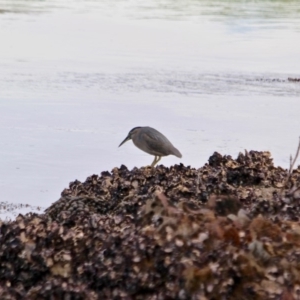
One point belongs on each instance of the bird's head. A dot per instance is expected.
(131, 133)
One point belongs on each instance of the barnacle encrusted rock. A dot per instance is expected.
(229, 230)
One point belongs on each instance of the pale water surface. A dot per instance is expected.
(76, 76)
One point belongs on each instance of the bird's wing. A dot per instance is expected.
(157, 144)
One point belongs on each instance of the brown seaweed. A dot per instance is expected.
(229, 230)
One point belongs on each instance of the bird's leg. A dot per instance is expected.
(158, 159)
(154, 162)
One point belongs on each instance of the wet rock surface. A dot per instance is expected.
(294, 79)
(229, 230)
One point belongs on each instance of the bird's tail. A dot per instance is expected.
(177, 153)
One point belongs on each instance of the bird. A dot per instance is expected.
(152, 142)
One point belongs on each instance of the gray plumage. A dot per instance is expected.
(151, 141)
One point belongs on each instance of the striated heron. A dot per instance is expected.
(151, 141)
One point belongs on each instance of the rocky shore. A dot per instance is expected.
(229, 230)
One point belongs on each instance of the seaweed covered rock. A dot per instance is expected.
(252, 178)
(229, 230)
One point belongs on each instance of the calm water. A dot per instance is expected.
(76, 76)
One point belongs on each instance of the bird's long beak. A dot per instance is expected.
(127, 139)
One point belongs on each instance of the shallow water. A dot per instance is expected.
(76, 76)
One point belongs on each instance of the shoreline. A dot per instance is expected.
(229, 229)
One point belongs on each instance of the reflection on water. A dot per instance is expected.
(164, 9)
(76, 75)
(162, 82)
(166, 46)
